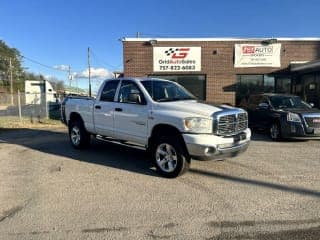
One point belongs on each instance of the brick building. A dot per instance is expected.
(228, 70)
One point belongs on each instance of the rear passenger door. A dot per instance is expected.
(103, 110)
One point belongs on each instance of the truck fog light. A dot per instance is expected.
(209, 150)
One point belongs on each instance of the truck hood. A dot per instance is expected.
(192, 107)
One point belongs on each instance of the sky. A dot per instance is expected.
(53, 35)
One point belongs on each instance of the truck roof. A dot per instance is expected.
(139, 79)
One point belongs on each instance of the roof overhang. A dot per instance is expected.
(309, 66)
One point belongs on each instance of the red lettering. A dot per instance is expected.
(248, 49)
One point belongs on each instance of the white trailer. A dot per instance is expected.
(39, 92)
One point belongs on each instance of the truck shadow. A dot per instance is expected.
(100, 152)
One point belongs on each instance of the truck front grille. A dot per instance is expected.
(231, 124)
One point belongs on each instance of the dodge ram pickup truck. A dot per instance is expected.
(161, 117)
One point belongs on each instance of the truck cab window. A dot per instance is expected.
(109, 90)
(130, 93)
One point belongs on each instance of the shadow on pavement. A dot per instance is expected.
(276, 186)
(100, 152)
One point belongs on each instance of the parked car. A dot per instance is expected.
(161, 117)
(283, 116)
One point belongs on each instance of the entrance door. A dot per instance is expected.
(312, 89)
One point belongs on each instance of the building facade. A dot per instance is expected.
(228, 70)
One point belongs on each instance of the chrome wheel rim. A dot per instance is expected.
(274, 131)
(75, 135)
(166, 157)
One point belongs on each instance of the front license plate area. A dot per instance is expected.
(239, 137)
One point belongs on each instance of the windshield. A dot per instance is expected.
(165, 91)
(288, 102)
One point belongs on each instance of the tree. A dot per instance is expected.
(19, 76)
(8, 54)
(57, 84)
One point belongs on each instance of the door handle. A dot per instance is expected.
(97, 107)
(118, 109)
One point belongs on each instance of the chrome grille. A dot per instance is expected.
(313, 122)
(231, 124)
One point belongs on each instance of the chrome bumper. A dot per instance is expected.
(211, 153)
(204, 147)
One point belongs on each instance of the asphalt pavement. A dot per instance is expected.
(48, 190)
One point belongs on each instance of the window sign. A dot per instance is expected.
(257, 55)
(176, 59)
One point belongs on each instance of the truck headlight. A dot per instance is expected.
(198, 125)
(293, 117)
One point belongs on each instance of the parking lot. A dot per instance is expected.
(48, 190)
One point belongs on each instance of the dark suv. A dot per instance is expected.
(283, 116)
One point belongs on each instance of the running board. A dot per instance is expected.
(120, 142)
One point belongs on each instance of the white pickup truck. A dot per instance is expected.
(160, 116)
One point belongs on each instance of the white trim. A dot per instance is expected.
(215, 39)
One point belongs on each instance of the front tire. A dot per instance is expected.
(169, 157)
(78, 135)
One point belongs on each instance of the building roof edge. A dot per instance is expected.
(217, 39)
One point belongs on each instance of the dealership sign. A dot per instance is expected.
(176, 59)
(257, 55)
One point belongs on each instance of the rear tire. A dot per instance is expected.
(78, 135)
(169, 157)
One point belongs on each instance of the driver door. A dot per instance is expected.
(131, 114)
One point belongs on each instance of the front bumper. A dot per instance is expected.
(299, 131)
(212, 147)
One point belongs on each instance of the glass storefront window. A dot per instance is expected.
(283, 85)
(252, 84)
(196, 84)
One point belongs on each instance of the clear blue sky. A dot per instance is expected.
(59, 32)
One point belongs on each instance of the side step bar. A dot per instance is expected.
(121, 142)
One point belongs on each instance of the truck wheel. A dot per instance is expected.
(78, 135)
(275, 131)
(169, 157)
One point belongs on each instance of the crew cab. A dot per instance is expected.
(161, 117)
(283, 116)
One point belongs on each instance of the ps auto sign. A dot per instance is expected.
(176, 59)
(257, 55)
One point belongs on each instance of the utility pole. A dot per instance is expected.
(69, 75)
(89, 72)
(11, 81)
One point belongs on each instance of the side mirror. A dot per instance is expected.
(311, 104)
(263, 106)
(135, 98)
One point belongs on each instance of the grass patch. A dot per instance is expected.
(15, 122)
